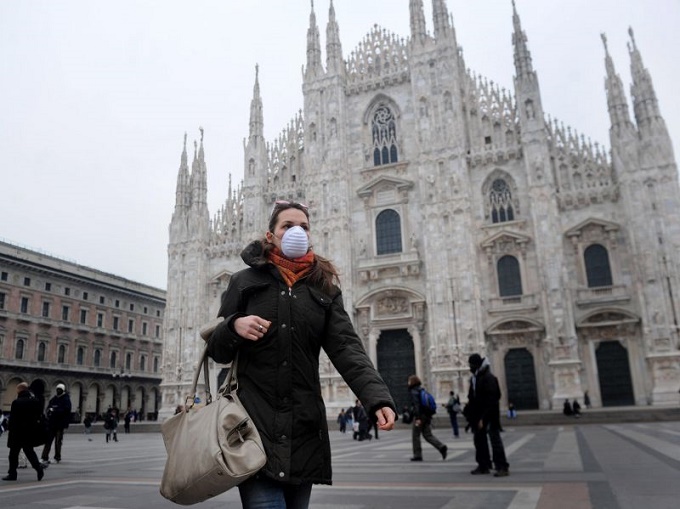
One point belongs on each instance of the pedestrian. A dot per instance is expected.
(87, 425)
(485, 418)
(342, 421)
(279, 313)
(111, 425)
(126, 421)
(422, 422)
(566, 408)
(349, 418)
(453, 408)
(58, 419)
(3, 422)
(586, 399)
(24, 429)
(512, 413)
(576, 408)
(361, 422)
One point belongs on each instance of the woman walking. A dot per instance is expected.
(278, 315)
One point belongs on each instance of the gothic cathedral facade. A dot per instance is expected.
(462, 220)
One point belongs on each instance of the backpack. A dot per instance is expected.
(427, 402)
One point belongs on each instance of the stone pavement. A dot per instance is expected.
(601, 466)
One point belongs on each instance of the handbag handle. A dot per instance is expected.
(231, 379)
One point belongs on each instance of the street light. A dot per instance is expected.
(118, 378)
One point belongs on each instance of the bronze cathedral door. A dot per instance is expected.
(396, 361)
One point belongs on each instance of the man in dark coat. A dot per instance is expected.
(483, 413)
(23, 430)
(422, 422)
(58, 418)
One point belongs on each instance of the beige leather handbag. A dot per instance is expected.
(210, 449)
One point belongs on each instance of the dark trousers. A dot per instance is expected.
(31, 456)
(56, 436)
(454, 423)
(492, 433)
(425, 429)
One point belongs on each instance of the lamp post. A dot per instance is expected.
(118, 377)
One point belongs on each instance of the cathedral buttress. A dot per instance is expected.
(418, 27)
(314, 67)
(334, 61)
(254, 165)
(178, 224)
(544, 215)
(656, 146)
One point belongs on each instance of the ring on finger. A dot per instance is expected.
(261, 328)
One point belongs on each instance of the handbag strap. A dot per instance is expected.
(230, 383)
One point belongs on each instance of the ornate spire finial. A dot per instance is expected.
(201, 129)
(632, 36)
(185, 140)
(604, 41)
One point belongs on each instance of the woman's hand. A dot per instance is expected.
(251, 327)
(386, 418)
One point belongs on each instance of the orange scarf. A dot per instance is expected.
(291, 270)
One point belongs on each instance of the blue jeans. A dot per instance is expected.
(262, 493)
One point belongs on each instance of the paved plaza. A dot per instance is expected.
(606, 466)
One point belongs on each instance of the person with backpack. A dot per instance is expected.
(453, 408)
(423, 407)
(483, 414)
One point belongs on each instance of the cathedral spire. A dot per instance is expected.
(334, 62)
(616, 99)
(645, 103)
(314, 67)
(440, 18)
(256, 116)
(418, 28)
(523, 66)
(199, 175)
(181, 193)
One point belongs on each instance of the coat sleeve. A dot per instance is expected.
(346, 352)
(224, 341)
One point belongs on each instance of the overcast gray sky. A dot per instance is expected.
(95, 97)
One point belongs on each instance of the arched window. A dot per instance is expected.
(142, 363)
(42, 348)
(155, 364)
(598, 270)
(500, 201)
(80, 356)
(97, 358)
(128, 361)
(61, 354)
(384, 133)
(388, 232)
(19, 352)
(112, 360)
(509, 278)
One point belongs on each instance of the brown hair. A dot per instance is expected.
(414, 380)
(323, 275)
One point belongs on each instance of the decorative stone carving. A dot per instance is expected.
(392, 306)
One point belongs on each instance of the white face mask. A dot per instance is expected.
(294, 242)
